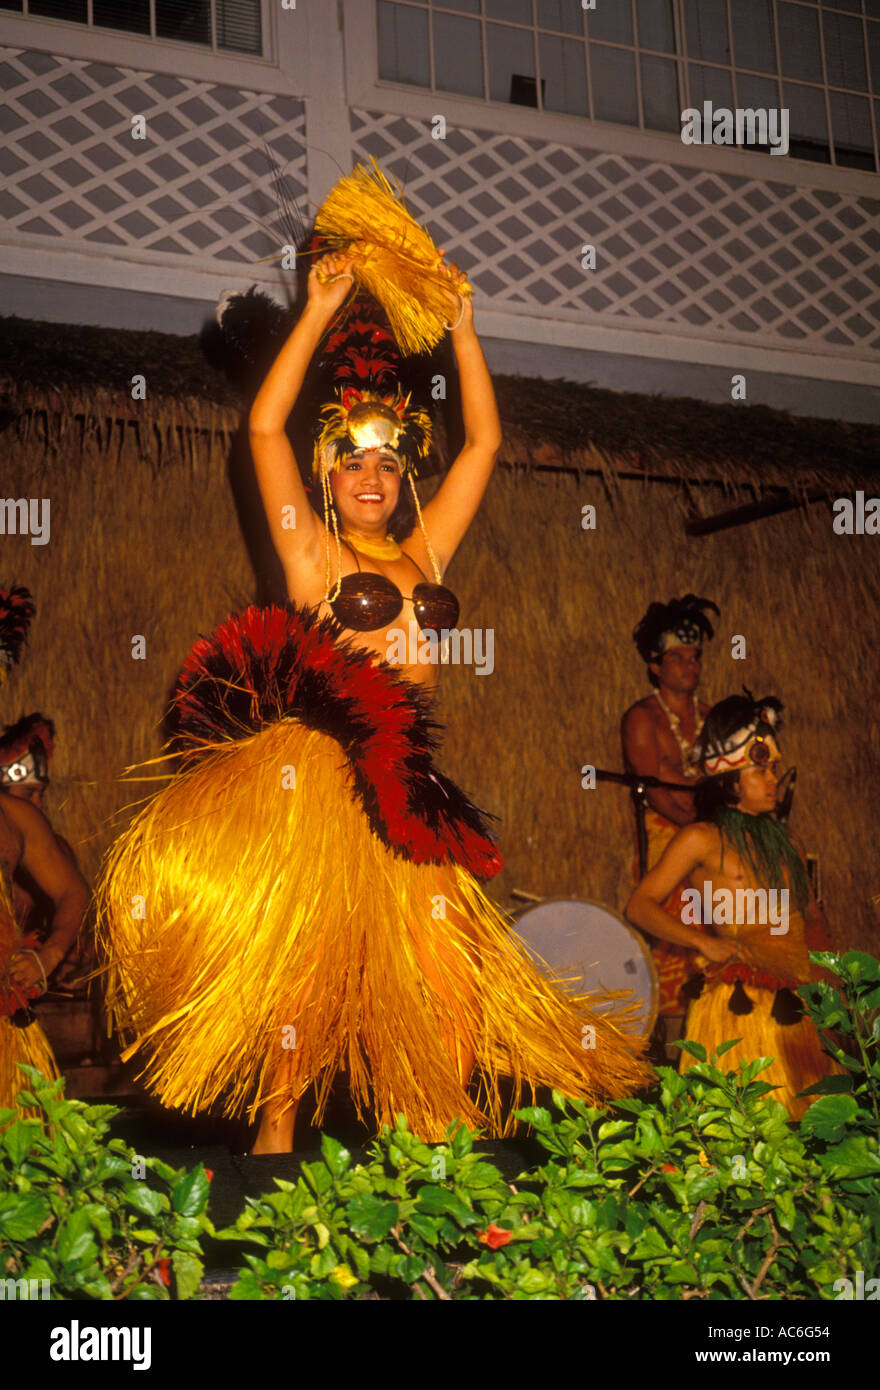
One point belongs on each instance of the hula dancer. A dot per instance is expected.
(313, 897)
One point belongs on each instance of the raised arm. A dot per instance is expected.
(454, 506)
(278, 475)
(683, 853)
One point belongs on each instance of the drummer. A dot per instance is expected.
(658, 734)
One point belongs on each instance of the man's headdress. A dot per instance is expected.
(17, 608)
(25, 750)
(681, 622)
(750, 743)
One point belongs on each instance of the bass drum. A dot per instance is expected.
(586, 948)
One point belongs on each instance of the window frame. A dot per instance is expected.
(71, 38)
(682, 60)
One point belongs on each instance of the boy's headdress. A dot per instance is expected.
(751, 744)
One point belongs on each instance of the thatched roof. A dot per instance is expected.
(85, 372)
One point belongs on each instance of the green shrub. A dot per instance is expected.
(73, 1213)
(702, 1189)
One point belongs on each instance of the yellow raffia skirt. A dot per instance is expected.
(31, 1046)
(799, 1057)
(261, 937)
(28, 1045)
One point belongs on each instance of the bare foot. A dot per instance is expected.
(275, 1135)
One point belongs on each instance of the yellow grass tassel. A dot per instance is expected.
(29, 1045)
(262, 938)
(398, 263)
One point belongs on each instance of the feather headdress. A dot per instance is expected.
(17, 608)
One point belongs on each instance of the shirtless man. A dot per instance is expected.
(658, 735)
(28, 842)
(25, 750)
(745, 868)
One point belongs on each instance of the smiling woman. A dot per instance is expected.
(314, 904)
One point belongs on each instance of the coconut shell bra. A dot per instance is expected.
(368, 601)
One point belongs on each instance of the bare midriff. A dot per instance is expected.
(384, 640)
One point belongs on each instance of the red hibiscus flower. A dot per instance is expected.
(165, 1272)
(669, 1167)
(209, 1173)
(494, 1236)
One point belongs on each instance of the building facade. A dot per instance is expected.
(149, 144)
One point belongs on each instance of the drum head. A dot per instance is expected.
(588, 948)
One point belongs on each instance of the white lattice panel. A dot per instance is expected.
(200, 184)
(715, 255)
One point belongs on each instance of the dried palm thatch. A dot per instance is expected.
(147, 539)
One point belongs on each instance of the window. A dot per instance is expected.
(225, 25)
(642, 62)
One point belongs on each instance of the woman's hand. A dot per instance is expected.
(330, 281)
(461, 306)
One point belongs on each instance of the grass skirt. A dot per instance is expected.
(770, 962)
(262, 936)
(29, 1045)
(800, 1059)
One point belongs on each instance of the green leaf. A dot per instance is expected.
(21, 1217)
(318, 1177)
(189, 1196)
(785, 1210)
(425, 1227)
(534, 1281)
(859, 966)
(100, 1219)
(79, 1130)
(462, 1142)
(694, 1049)
(143, 1198)
(651, 1245)
(828, 1117)
(336, 1156)
(188, 1271)
(536, 1116)
(75, 1241)
(853, 1158)
(247, 1288)
(832, 1085)
(724, 1047)
(20, 1137)
(439, 1201)
(110, 1166)
(369, 1217)
(613, 1127)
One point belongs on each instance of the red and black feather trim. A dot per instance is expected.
(267, 664)
(17, 609)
